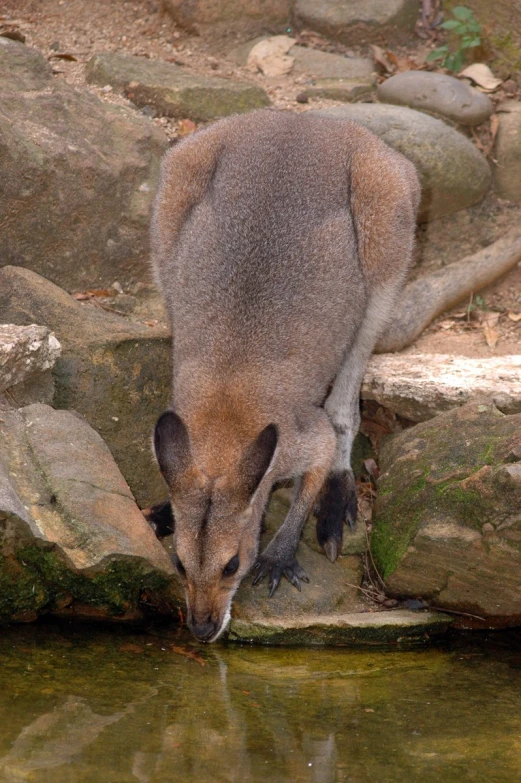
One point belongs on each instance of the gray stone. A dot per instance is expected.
(77, 177)
(447, 521)
(70, 531)
(437, 93)
(190, 14)
(332, 75)
(115, 372)
(171, 91)
(351, 20)
(507, 152)
(453, 173)
(420, 386)
(356, 628)
(24, 351)
(345, 90)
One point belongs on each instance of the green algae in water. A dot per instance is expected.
(99, 706)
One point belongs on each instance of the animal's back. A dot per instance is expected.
(257, 248)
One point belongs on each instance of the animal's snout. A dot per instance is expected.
(204, 631)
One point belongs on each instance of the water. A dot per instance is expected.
(83, 705)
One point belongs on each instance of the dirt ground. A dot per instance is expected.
(69, 32)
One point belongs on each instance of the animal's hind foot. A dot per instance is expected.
(337, 505)
(275, 568)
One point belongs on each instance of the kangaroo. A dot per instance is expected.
(280, 242)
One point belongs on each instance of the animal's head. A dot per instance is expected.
(217, 519)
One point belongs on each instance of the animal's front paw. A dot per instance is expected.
(274, 567)
(337, 505)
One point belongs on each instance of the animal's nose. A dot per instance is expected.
(203, 631)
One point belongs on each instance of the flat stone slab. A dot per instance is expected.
(351, 20)
(437, 93)
(171, 91)
(115, 372)
(78, 176)
(70, 530)
(357, 628)
(24, 351)
(420, 386)
(453, 173)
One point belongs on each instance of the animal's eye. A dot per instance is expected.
(231, 567)
(180, 567)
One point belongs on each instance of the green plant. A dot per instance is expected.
(468, 31)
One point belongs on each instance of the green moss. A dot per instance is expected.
(36, 578)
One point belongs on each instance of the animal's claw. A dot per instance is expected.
(290, 568)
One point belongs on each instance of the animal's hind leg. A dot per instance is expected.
(337, 503)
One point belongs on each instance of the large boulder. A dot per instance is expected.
(352, 20)
(115, 372)
(171, 91)
(437, 93)
(507, 152)
(447, 522)
(77, 177)
(72, 539)
(453, 173)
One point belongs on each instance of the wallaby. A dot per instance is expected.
(280, 242)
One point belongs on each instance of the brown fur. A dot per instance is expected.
(280, 243)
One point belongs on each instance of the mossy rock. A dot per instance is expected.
(447, 523)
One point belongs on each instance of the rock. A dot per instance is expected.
(333, 75)
(171, 91)
(70, 530)
(438, 94)
(328, 610)
(453, 173)
(447, 522)
(507, 152)
(340, 89)
(77, 177)
(420, 386)
(25, 351)
(353, 21)
(115, 372)
(190, 14)
(356, 628)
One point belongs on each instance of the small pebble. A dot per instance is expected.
(302, 97)
(107, 88)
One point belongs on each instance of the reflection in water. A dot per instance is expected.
(90, 707)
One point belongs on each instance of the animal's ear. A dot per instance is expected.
(257, 459)
(171, 446)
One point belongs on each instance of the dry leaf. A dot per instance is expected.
(191, 654)
(514, 317)
(186, 127)
(446, 324)
(481, 75)
(372, 469)
(80, 297)
(381, 57)
(270, 56)
(491, 334)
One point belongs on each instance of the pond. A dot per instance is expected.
(98, 705)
